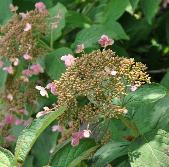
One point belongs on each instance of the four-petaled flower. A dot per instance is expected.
(26, 56)
(52, 88)
(40, 6)
(68, 59)
(28, 27)
(105, 41)
(133, 88)
(79, 135)
(9, 69)
(42, 90)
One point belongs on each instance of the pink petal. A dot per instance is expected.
(36, 69)
(9, 119)
(57, 128)
(69, 60)
(26, 56)
(28, 27)
(40, 6)
(9, 70)
(105, 41)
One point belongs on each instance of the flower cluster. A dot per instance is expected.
(92, 81)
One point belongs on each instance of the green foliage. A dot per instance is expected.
(150, 150)
(54, 65)
(5, 12)
(31, 133)
(7, 159)
(68, 156)
(150, 8)
(109, 152)
(90, 36)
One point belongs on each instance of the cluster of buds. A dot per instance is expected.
(21, 37)
(92, 81)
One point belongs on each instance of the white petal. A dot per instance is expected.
(39, 87)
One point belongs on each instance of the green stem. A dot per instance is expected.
(51, 38)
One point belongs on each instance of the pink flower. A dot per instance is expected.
(52, 88)
(79, 48)
(79, 135)
(57, 128)
(133, 88)
(27, 27)
(19, 122)
(76, 138)
(9, 119)
(9, 97)
(1, 63)
(36, 69)
(68, 59)
(40, 6)
(9, 70)
(22, 112)
(105, 41)
(26, 56)
(27, 72)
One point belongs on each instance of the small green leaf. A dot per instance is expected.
(110, 152)
(30, 134)
(7, 159)
(54, 65)
(150, 149)
(67, 155)
(90, 36)
(150, 8)
(134, 3)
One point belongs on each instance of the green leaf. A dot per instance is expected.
(110, 152)
(54, 65)
(150, 8)
(134, 3)
(7, 159)
(148, 93)
(5, 12)
(67, 155)
(44, 143)
(90, 36)
(114, 9)
(165, 80)
(76, 20)
(82, 156)
(150, 150)
(30, 134)
(60, 10)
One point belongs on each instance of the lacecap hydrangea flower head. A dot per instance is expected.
(92, 81)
